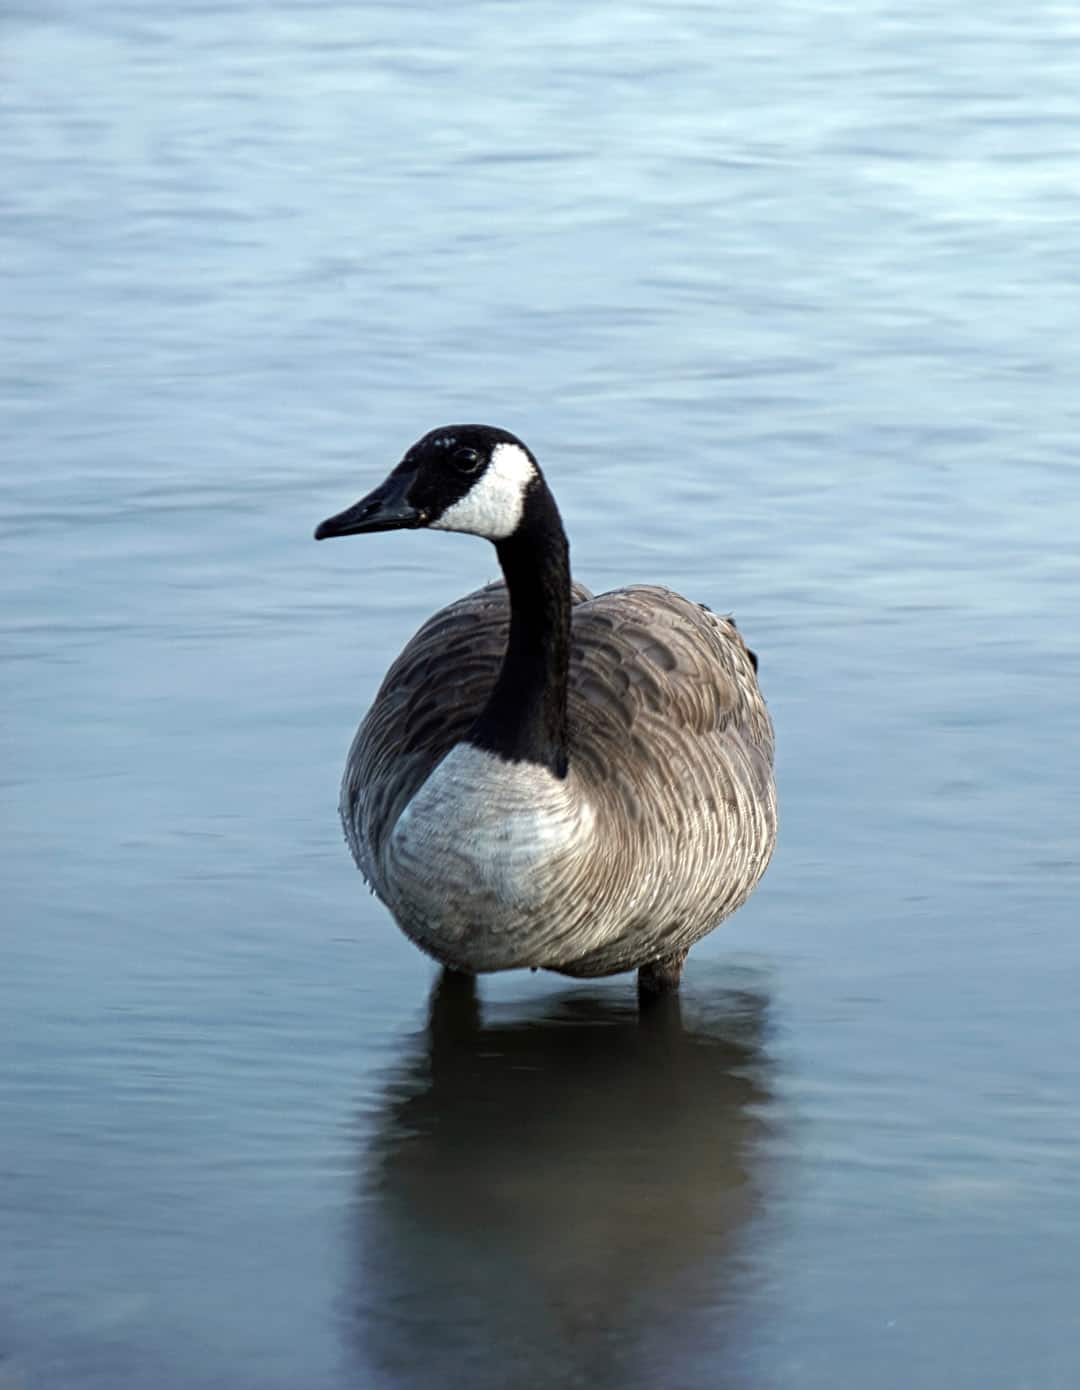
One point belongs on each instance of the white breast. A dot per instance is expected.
(479, 856)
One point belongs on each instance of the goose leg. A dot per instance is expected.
(460, 983)
(660, 976)
(453, 1007)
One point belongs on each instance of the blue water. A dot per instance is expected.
(786, 304)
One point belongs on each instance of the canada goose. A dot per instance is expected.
(545, 778)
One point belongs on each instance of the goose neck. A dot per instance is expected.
(524, 719)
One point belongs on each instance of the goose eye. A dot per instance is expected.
(465, 460)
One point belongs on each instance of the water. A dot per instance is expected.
(786, 303)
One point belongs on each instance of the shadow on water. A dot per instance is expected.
(561, 1197)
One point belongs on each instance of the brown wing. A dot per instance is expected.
(671, 739)
(645, 660)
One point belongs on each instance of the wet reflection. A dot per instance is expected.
(559, 1197)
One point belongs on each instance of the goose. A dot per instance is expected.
(549, 779)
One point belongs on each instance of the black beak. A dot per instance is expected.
(385, 509)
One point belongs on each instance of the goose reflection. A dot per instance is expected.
(559, 1197)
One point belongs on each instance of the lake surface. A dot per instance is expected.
(786, 302)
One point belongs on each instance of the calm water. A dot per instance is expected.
(787, 304)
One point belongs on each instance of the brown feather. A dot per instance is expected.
(669, 741)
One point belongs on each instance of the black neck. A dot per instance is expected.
(524, 719)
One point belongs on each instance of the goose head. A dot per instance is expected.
(470, 478)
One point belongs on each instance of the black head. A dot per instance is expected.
(471, 478)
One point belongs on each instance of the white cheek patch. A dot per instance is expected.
(492, 507)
